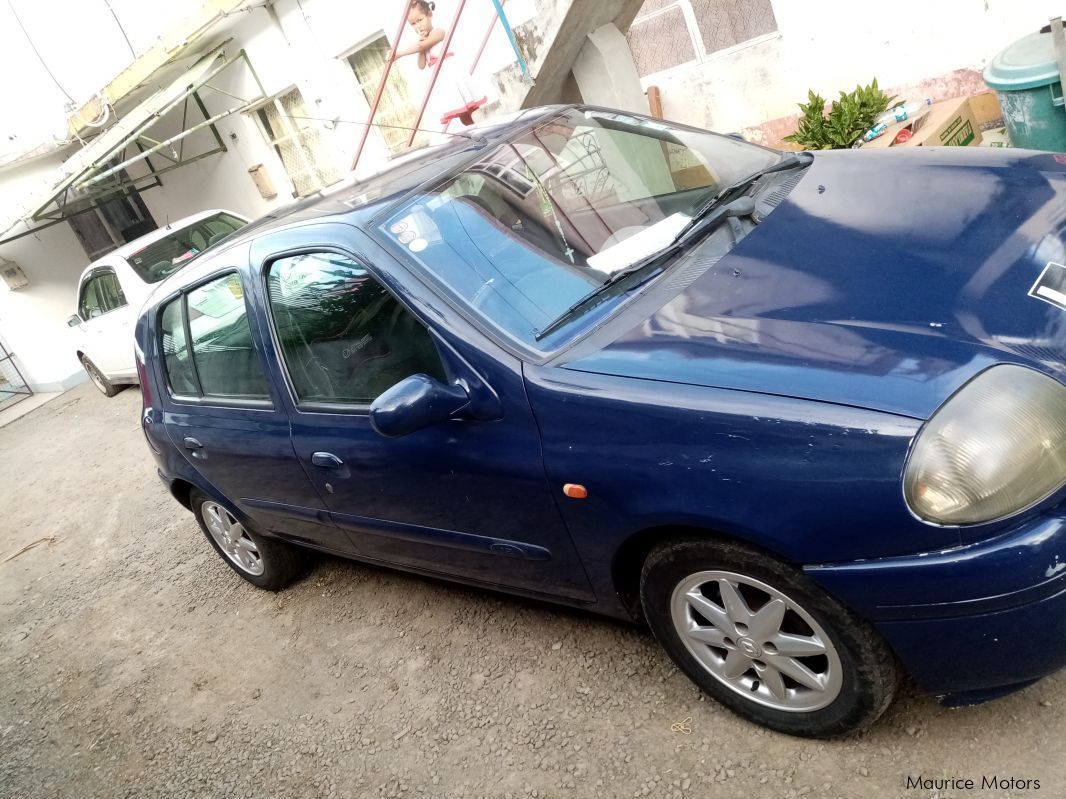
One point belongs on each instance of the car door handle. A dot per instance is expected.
(327, 460)
(192, 443)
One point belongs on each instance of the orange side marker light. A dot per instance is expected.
(575, 491)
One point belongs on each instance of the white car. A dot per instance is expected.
(113, 287)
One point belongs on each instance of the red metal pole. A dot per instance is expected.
(481, 51)
(436, 72)
(381, 89)
(485, 41)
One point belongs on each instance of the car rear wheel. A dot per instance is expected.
(264, 562)
(763, 640)
(107, 388)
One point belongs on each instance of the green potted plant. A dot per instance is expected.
(848, 118)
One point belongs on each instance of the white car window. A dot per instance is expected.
(100, 294)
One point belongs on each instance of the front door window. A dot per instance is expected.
(344, 338)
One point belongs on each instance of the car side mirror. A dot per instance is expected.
(74, 321)
(416, 402)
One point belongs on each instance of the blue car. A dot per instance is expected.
(801, 414)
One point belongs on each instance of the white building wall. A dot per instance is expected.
(831, 45)
(305, 45)
(33, 318)
(302, 44)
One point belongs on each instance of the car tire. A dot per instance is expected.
(264, 562)
(107, 388)
(758, 636)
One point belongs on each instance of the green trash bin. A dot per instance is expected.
(1026, 78)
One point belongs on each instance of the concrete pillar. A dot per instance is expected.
(606, 74)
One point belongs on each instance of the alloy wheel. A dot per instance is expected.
(756, 641)
(232, 538)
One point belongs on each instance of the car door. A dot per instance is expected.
(467, 497)
(222, 413)
(107, 323)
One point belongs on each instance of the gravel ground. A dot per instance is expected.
(133, 662)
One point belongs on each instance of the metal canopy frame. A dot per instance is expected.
(101, 178)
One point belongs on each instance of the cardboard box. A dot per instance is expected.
(949, 123)
(997, 137)
(986, 110)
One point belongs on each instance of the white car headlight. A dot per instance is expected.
(998, 446)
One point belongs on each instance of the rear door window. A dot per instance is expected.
(343, 336)
(222, 361)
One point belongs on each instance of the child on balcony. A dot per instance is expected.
(453, 96)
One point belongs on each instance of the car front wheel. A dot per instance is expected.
(264, 562)
(763, 640)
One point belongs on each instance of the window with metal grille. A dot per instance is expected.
(298, 142)
(397, 106)
(668, 33)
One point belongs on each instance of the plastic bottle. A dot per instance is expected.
(909, 111)
(875, 131)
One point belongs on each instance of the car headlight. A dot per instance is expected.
(998, 446)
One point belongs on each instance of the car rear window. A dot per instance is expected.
(164, 257)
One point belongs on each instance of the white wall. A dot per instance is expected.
(88, 49)
(301, 44)
(33, 318)
(831, 45)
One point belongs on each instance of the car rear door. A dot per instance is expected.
(466, 497)
(223, 413)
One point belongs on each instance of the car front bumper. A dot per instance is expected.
(969, 623)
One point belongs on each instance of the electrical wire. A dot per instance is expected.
(469, 136)
(36, 52)
(121, 29)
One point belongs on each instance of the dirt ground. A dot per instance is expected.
(133, 662)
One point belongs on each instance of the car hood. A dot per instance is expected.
(885, 280)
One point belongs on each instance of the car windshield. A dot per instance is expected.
(167, 255)
(548, 217)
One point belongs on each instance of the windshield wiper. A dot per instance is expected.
(650, 266)
(790, 161)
